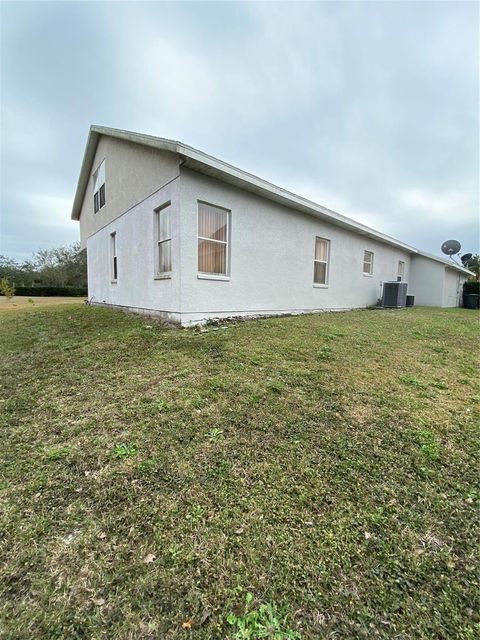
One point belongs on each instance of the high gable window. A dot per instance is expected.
(99, 187)
(163, 228)
(213, 232)
(368, 263)
(320, 264)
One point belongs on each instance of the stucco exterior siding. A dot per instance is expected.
(132, 173)
(272, 258)
(434, 284)
(271, 245)
(136, 286)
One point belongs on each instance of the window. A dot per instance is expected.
(401, 269)
(113, 248)
(163, 234)
(213, 231)
(320, 264)
(368, 263)
(99, 187)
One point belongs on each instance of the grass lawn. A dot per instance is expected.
(316, 475)
(26, 302)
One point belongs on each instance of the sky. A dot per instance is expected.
(370, 109)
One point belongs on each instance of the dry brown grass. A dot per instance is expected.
(21, 303)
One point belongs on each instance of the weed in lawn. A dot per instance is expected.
(58, 454)
(439, 384)
(175, 551)
(197, 513)
(145, 466)
(268, 621)
(125, 450)
(219, 470)
(199, 402)
(214, 434)
(413, 382)
(276, 386)
(325, 354)
(428, 443)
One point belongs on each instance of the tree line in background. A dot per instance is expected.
(59, 271)
(63, 272)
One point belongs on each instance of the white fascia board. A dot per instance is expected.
(243, 179)
(446, 263)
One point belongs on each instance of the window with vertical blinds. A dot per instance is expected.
(213, 233)
(163, 240)
(320, 265)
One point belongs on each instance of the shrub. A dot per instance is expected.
(45, 290)
(6, 289)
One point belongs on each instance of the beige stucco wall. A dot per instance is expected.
(133, 172)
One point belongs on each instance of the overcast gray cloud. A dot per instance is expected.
(368, 108)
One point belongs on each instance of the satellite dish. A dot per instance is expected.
(466, 259)
(451, 247)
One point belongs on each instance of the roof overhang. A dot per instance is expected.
(208, 165)
(450, 264)
(215, 168)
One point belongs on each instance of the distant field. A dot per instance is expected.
(304, 477)
(25, 302)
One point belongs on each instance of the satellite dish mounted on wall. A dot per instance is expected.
(451, 247)
(466, 259)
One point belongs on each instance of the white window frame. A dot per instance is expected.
(370, 261)
(401, 269)
(205, 275)
(97, 191)
(321, 285)
(113, 257)
(161, 275)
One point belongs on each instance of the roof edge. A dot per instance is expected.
(268, 189)
(446, 263)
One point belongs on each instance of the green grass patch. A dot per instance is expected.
(151, 478)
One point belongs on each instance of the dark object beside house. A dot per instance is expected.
(471, 301)
(410, 301)
(394, 295)
(471, 295)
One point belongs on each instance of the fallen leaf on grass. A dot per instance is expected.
(187, 624)
(99, 602)
(150, 557)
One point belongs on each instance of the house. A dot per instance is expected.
(174, 232)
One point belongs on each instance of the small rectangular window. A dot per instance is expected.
(213, 233)
(368, 263)
(401, 269)
(99, 187)
(320, 265)
(163, 240)
(113, 246)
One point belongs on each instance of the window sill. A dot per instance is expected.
(207, 276)
(320, 286)
(368, 275)
(113, 281)
(163, 276)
